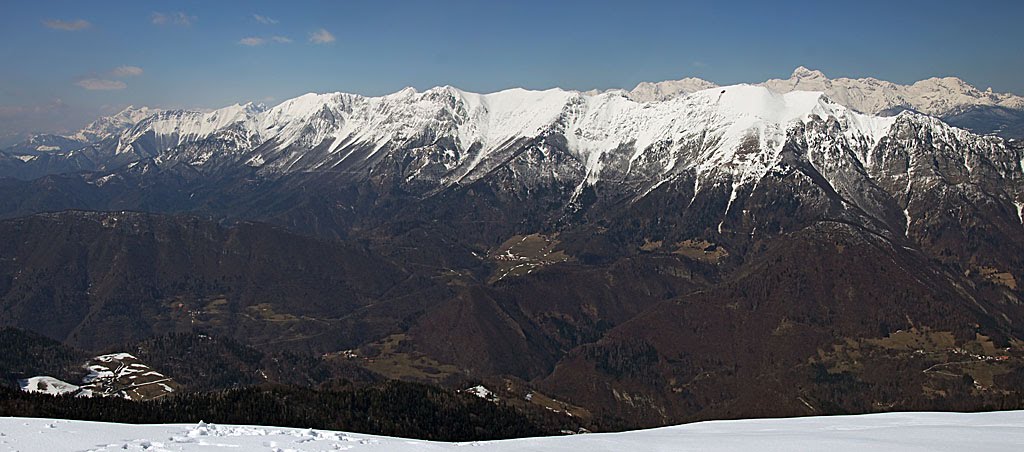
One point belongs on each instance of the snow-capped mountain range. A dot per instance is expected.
(935, 96)
(638, 140)
(657, 133)
(453, 136)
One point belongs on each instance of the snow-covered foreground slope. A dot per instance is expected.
(996, 431)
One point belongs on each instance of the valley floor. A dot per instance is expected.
(993, 431)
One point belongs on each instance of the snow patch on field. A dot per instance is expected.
(482, 392)
(47, 385)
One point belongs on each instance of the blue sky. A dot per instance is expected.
(64, 62)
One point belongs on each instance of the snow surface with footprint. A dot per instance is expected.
(994, 431)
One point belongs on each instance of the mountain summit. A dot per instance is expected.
(803, 73)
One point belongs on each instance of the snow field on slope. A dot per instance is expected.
(594, 125)
(905, 432)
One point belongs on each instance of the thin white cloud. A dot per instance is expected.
(126, 71)
(97, 84)
(321, 36)
(252, 41)
(67, 25)
(699, 64)
(264, 20)
(175, 18)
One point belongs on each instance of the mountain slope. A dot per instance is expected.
(130, 276)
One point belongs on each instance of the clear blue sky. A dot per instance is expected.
(191, 53)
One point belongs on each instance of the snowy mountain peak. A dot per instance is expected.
(253, 107)
(405, 92)
(199, 123)
(803, 72)
(107, 126)
(652, 92)
(168, 129)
